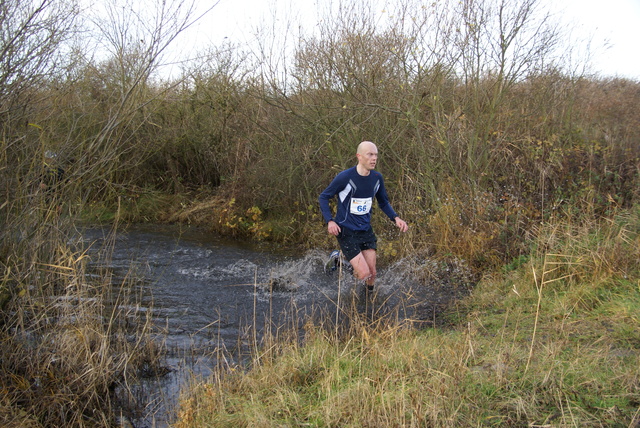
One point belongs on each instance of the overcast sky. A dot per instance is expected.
(613, 26)
(611, 23)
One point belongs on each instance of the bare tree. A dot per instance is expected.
(35, 36)
(131, 39)
(32, 37)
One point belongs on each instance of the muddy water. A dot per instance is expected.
(209, 294)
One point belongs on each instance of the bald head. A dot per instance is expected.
(367, 155)
(366, 146)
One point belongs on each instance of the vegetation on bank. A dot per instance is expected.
(554, 342)
(489, 140)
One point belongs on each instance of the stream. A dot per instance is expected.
(211, 296)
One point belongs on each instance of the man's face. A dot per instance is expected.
(368, 156)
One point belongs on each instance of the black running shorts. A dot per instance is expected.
(353, 242)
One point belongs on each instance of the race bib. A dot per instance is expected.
(361, 206)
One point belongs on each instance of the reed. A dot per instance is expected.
(72, 338)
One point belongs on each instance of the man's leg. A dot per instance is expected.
(364, 267)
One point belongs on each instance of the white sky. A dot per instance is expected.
(615, 29)
(613, 26)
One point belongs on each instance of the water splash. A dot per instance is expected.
(295, 275)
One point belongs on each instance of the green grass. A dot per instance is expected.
(553, 342)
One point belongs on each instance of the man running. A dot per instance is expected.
(356, 187)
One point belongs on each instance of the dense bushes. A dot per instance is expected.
(482, 132)
(479, 144)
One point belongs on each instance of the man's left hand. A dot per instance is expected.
(402, 225)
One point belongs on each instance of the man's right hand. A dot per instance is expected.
(333, 228)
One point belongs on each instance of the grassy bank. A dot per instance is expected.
(553, 342)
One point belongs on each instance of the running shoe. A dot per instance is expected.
(332, 264)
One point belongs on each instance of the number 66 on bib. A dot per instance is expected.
(360, 206)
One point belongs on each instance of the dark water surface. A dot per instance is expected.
(207, 294)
